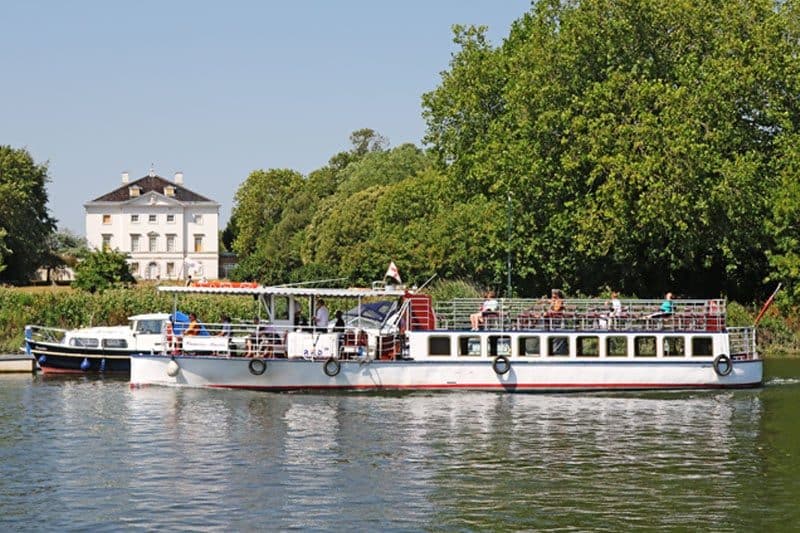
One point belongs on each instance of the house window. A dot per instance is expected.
(134, 268)
(106, 242)
(170, 219)
(134, 219)
(170, 269)
(171, 243)
(134, 242)
(133, 192)
(151, 219)
(106, 219)
(153, 244)
(198, 219)
(198, 243)
(169, 190)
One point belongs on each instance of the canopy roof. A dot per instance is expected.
(352, 292)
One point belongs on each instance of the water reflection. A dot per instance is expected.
(103, 454)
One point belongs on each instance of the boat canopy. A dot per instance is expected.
(352, 292)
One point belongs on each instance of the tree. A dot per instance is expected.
(23, 214)
(101, 270)
(638, 140)
(64, 249)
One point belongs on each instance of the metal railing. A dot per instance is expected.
(584, 315)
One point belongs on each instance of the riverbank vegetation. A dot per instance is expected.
(65, 307)
(645, 147)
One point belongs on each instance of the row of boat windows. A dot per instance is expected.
(585, 346)
(90, 342)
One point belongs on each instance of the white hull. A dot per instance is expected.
(553, 374)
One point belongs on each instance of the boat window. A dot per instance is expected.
(469, 345)
(529, 346)
(674, 347)
(149, 327)
(644, 346)
(702, 346)
(616, 347)
(84, 342)
(439, 345)
(558, 345)
(281, 307)
(499, 345)
(115, 343)
(588, 347)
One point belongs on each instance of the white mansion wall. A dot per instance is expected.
(185, 222)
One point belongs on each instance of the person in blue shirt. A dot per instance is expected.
(666, 308)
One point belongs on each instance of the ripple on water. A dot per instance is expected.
(94, 454)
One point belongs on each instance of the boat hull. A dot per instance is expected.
(523, 376)
(60, 359)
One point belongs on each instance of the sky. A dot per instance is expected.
(217, 89)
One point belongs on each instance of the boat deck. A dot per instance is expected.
(521, 314)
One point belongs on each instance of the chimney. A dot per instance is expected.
(179, 178)
(124, 177)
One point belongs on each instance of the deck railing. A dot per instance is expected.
(584, 315)
(742, 343)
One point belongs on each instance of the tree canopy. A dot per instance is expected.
(25, 224)
(644, 146)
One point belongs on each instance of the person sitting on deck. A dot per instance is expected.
(193, 328)
(556, 304)
(666, 308)
(488, 307)
(256, 338)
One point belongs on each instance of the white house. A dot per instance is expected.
(169, 231)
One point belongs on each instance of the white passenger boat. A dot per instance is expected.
(416, 345)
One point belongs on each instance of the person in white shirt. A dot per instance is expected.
(488, 307)
(321, 317)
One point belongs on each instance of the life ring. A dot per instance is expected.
(332, 367)
(723, 365)
(501, 365)
(257, 367)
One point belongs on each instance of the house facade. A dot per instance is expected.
(169, 231)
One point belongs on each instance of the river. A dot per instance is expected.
(82, 453)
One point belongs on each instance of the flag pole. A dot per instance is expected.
(766, 305)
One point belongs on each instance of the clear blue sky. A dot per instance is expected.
(217, 89)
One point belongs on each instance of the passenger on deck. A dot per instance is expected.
(225, 330)
(488, 307)
(338, 326)
(257, 337)
(666, 308)
(321, 317)
(556, 304)
(193, 328)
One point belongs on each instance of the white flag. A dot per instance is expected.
(392, 272)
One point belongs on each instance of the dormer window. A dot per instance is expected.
(134, 191)
(169, 190)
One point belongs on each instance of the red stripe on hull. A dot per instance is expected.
(500, 387)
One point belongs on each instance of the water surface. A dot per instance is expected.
(88, 453)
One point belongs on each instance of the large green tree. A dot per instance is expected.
(636, 138)
(25, 224)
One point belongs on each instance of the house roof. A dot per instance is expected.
(148, 184)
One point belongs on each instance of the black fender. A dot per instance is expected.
(723, 365)
(332, 367)
(257, 366)
(501, 365)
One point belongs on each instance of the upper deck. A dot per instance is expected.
(592, 314)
